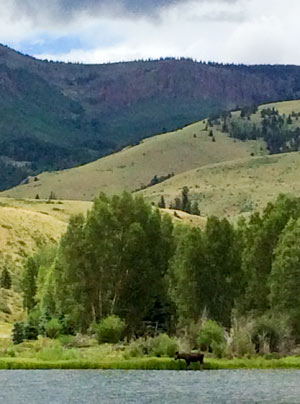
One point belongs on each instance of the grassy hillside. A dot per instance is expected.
(24, 227)
(59, 115)
(232, 188)
(135, 167)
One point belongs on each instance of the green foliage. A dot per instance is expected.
(285, 275)
(212, 338)
(205, 272)
(53, 328)
(57, 353)
(123, 261)
(30, 331)
(29, 283)
(159, 346)
(37, 279)
(110, 330)
(261, 237)
(239, 340)
(162, 345)
(5, 281)
(113, 263)
(18, 333)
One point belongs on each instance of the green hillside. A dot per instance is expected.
(135, 167)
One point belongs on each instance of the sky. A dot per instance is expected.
(100, 31)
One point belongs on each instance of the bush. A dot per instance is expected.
(212, 338)
(18, 333)
(271, 334)
(239, 338)
(163, 345)
(57, 353)
(30, 331)
(159, 346)
(134, 350)
(53, 328)
(110, 330)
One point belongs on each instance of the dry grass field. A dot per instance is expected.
(231, 188)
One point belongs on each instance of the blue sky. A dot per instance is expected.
(96, 31)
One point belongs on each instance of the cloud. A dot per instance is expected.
(93, 31)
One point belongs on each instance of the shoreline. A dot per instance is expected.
(151, 364)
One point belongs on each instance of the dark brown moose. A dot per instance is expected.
(190, 357)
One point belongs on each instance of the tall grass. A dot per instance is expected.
(152, 364)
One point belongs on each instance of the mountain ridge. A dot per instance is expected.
(57, 115)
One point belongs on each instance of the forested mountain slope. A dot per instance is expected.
(57, 115)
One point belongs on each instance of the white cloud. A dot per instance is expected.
(241, 31)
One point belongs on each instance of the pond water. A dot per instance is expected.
(159, 387)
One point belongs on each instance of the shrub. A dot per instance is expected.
(239, 341)
(57, 353)
(271, 334)
(110, 330)
(30, 331)
(159, 346)
(18, 333)
(163, 345)
(134, 350)
(212, 337)
(53, 328)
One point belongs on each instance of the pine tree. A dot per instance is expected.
(185, 203)
(162, 203)
(29, 283)
(177, 204)
(18, 333)
(52, 196)
(5, 281)
(195, 209)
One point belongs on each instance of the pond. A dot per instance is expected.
(138, 387)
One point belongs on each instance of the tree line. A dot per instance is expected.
(126, 259)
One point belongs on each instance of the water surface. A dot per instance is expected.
(139, 387)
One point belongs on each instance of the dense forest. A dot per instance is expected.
(59, 115)
(126, 264)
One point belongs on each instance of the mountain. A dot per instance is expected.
(59, 115)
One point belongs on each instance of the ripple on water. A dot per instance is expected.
(159, 387)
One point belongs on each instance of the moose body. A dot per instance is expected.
(190, 357)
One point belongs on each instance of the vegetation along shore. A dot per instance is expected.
(125, 287)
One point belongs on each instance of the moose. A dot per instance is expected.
(190, 357)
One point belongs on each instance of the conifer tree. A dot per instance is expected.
(18, 333)
(29, 283)
(5, 281)
(185, 202)
(195, 209)
(162, 203)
